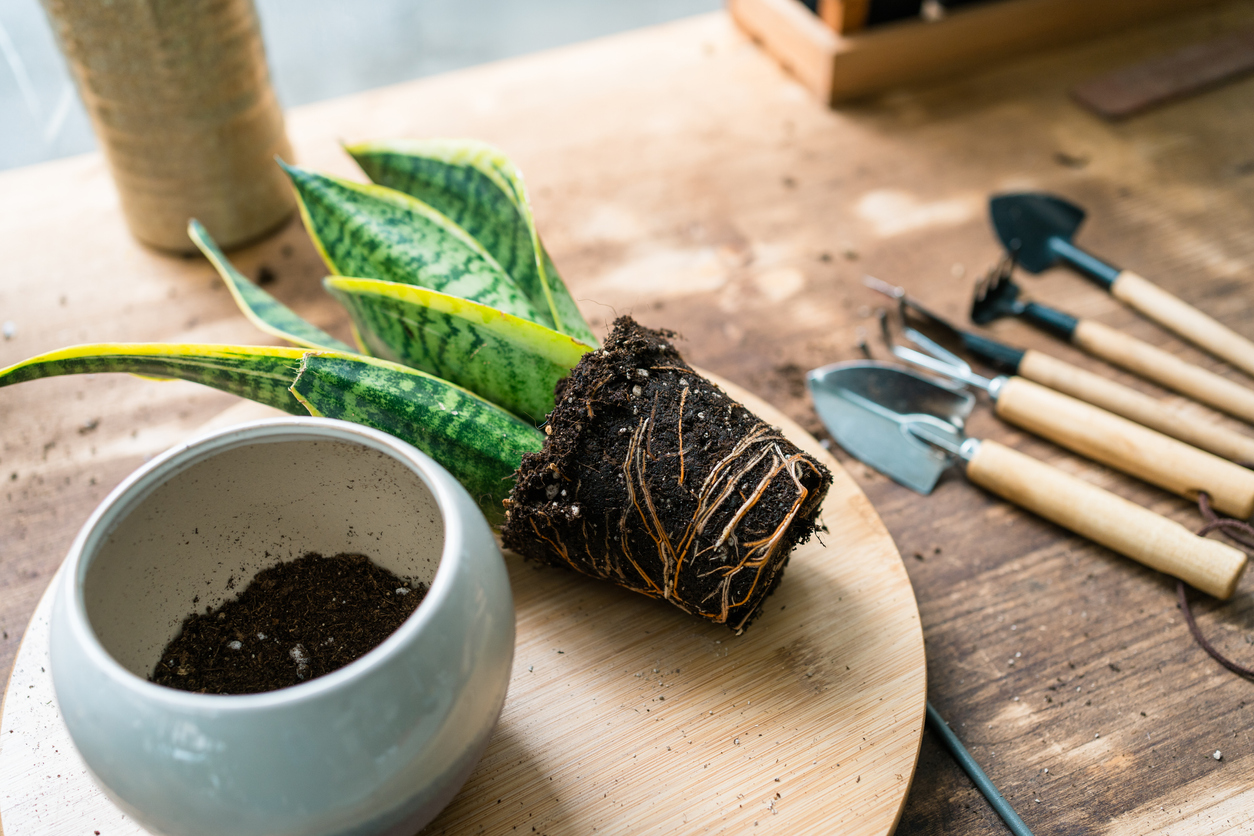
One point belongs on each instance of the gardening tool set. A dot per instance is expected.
(998, 295)
(911, 427)
(1038, 228)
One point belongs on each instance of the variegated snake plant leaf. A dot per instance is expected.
(459, 348)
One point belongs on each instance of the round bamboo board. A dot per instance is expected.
(626, 716)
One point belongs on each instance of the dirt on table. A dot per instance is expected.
(654, 479)
(295, 621)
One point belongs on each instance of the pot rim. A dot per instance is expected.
(133, 490)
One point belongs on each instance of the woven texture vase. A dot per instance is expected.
(180, 99)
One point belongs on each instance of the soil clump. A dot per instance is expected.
(654, 479)
(295, 621)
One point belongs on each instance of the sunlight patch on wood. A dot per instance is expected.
(892, 212)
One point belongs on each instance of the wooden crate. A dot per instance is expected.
(840, 67)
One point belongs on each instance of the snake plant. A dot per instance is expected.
(463, 325)
(645, 474)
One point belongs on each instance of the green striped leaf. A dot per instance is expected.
(479, 443)
(259, 373)
(480, 190)
(378, 233)
(509, 361)
(266, 312)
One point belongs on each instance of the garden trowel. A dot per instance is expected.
(1091, 431)
(910, 428)
(1038, 228)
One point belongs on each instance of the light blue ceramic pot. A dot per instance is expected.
(379, 746)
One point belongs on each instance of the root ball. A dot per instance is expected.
(653, 479)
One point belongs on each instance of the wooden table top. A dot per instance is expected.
(679, 175)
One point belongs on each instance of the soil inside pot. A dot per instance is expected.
(295, 621)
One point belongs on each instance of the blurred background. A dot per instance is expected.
(317, 49)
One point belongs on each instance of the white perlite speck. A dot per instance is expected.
(402, 591)
(301, 658)
(234, 645)
(1218, 755)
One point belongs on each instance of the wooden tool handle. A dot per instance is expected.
(1112, 521)
(1184, 319)
(1127, 446)
(1157, 365)
(1141, 408)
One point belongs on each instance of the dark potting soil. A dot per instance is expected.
(654, 479)
(295, 621)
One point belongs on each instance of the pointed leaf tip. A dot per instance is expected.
(482, 191)
(259, 373)
(374, 232)
(262, 309)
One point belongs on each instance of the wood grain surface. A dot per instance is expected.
(1129, 90)
(626, 716)
(680, 175)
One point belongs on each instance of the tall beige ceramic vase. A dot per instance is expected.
(180, 99)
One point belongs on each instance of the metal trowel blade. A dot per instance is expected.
(1026, 222)
(877, 411)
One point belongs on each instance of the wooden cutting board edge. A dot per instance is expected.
(899, 747)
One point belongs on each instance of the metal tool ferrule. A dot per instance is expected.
(1054, 321)
(1103, 273)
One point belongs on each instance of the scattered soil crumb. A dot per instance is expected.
(1068, 160)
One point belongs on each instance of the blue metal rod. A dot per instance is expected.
(969, 766)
